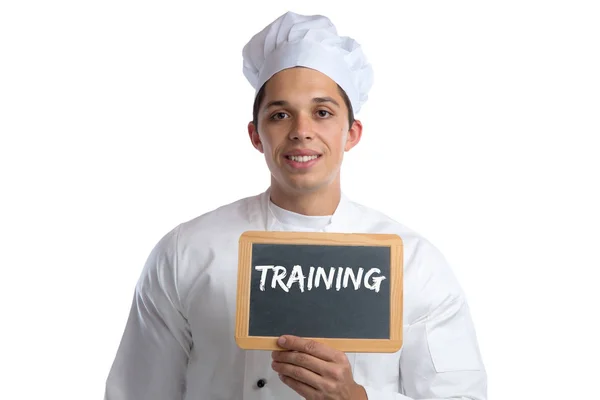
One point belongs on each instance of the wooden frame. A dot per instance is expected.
(394, 242)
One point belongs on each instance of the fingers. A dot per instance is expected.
(307, 365)
(316, 349)
(298, 374)
(303, 360)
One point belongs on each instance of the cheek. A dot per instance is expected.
(267, 144)
(272, 150)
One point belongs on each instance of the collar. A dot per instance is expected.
(341, 220)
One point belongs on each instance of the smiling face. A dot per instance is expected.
(303, 131)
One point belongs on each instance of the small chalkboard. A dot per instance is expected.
(341, 289)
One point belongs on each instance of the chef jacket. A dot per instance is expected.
(178, 341)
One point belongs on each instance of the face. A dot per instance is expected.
(303, 131)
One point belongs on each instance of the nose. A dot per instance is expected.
(301, 129)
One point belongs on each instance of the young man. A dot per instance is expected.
(179, 340)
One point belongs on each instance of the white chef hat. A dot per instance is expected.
(310, 41)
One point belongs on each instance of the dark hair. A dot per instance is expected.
(261, 95)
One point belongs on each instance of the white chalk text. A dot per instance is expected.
(342, 277)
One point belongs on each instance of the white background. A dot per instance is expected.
(121, 119)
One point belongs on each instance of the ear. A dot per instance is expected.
(255, 137)
(354, 135)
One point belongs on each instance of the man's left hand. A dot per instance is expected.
(315, 371)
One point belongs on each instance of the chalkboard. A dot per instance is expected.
(341, 289)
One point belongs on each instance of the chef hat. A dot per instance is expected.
(310, 41)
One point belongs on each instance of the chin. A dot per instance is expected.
(300, 182)
(305, 184)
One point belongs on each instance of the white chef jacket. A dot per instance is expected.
(179, 341)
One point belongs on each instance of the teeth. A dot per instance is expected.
(302, 158)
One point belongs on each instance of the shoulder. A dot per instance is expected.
(220, 221)
(377, 221)
(418, 249)
(428, 276)
(209, 230)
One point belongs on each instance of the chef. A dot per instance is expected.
(178, 341)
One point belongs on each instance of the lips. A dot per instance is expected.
(302, 159)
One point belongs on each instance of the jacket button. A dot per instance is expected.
(261, 383)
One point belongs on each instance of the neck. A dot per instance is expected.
(314, 203)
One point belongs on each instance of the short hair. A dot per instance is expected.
(261, 95)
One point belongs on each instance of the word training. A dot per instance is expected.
(342, 276)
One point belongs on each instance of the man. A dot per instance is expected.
(179, 339)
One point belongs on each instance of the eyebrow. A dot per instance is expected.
(318, 100)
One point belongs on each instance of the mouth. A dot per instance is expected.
(303, 159)
(302, 162)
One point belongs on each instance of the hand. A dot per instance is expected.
(315, 371)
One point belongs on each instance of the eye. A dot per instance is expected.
(278, 116)
(323, 113)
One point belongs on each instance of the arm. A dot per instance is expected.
(152, 357)
(440, 361)
(440, 356)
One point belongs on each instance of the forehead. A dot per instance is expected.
(301, 81)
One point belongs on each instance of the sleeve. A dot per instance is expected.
(440, 357)
(151, 360)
